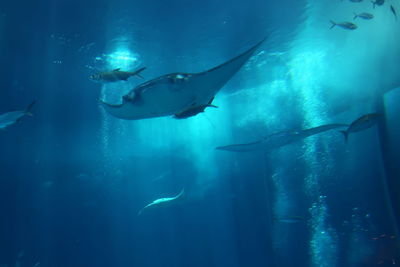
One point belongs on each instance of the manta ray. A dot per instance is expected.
(181, 95)
(280, 139)
(164, 202)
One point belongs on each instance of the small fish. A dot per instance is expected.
(10, 118)
(366, 16)
(344, 25)
(162, 176)
(194, 110)
(165, 201)
(116, 75)
(289, 219)
(362, 123)
(377, 3)
(393, 11)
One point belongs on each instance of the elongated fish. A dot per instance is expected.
(289, 219)
(280, 139)
(164, 202)
(116, 75)
(364, 122)
(366, 16)
(10, 118)
(393, 11)
(344, 25)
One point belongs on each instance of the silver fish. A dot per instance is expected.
(366, 16)
(116, 75)
(12, 117)
(344, 25)
(364, 122)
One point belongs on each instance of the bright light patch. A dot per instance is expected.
(122, 58)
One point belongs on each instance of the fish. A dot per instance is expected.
(12, 117)
(115, 75)
(162, 176)
(182, 95)
(344, 25)
(366, 16)
(363, 123)
(280, 139)
(393, 11)
(289, 219)
(193, 110)
(377, 3)
(163, 202)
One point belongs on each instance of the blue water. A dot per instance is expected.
(73, 178)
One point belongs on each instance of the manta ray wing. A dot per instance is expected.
(172, 93)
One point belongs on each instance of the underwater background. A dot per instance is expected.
(73, 178)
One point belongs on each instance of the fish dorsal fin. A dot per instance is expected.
(116, 69)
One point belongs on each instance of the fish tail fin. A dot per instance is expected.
(137, 73)
(355, 15)
(29, 108)
(333, 24)
(346, 135)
